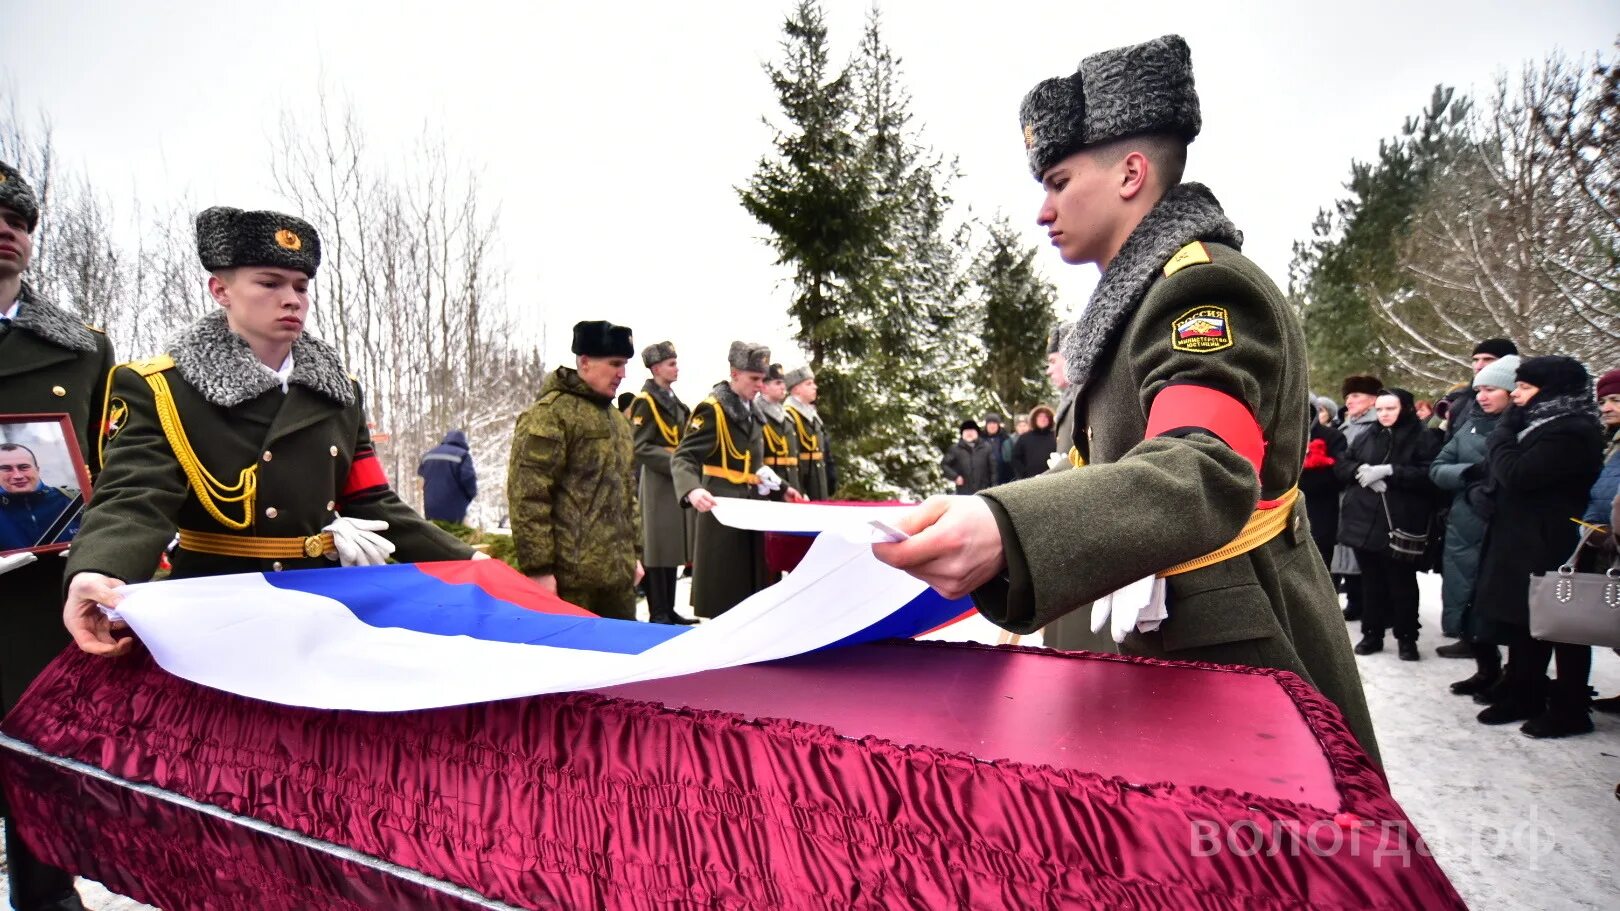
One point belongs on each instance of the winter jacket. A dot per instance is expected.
(973, 463)
(1000, 446)
(1410, 495)
(1320, 484)
(1461, 408)
(1033, 448)
(449, 482)
(1536, 485)
(1457, 470)
(41, 517)
(1607, 487)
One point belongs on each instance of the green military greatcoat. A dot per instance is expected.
(720, 452)
(811, 437)
(658, 419)
(50, 363)
(570, 490)
(242, 462)
(781, 444)
(1180, 306)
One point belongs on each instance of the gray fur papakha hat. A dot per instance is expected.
(749, 357)
(228, 238)
(600, 338)
(796, 376)
(1127, 91)
(657, 353)
(1054, 342)
(18, 196)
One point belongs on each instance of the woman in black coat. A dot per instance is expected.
(1034, 447)
(1387, 476)
(1320, 484)
(1543, 457)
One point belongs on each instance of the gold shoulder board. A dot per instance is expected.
(151, 365)
(1194, 254)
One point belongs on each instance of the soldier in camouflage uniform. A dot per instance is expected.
(815, 467)
(781, 441)
(259, 468)
(570, 484)
(1190, 436)
(50, 363)
(667, 530)
(722, 455)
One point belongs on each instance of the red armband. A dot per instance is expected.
(365, 474)
(1185, 407)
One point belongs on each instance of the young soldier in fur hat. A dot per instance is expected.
(781, 441)
(722, 455)
(658, 419)
(815, 462)
(1190, 370)
(248, 437)
(570, 485)
(50, 363)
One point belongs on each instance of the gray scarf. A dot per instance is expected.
(772, 410)
(1546, 409)
(1188, 212)
(804, 408)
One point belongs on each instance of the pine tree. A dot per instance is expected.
(1018, 313)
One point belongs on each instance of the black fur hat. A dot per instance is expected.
(774, 373)
(657, 353)
(228, 238)
(600, 338)
(1554, 375)
(970, 424)
(1362, 383)
(1126, 91)
(18, 196)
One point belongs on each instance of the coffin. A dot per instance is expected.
(895, 775)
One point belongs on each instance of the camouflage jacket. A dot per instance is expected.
(570, 487)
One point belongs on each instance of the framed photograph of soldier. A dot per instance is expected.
(44, 483)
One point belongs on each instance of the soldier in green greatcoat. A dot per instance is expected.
(50, 363)
(815, 467)
(570, 484)
(668, 532)
(1190, 433)
(722, 455)
(248, 438)
(780, 437)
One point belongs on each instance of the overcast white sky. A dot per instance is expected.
(612, 134)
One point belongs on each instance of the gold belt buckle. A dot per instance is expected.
(313, 546)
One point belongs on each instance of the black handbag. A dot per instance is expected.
(1403, 545)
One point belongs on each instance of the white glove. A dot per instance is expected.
(769, 481)
(356, 541)
(1367, 474)
(1140, 605)
(480, 555)
(15, 561)
(1056, 459)
(1378, 486)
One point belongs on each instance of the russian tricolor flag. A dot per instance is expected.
(414, 636)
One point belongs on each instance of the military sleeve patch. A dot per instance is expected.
(117, 413)
(1201, 330)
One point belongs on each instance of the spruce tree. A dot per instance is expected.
(1018, 313)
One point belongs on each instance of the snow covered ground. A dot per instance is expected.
(1516, 823)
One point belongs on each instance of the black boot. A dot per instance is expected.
(1352, 613)
(1610, 705)
(1516, 699)
(1462, 648)
(1407, 650)
(1369, 644)
(670, 618)
(1487, 671)
(1568, 713)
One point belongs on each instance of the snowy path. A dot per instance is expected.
(1516, 823)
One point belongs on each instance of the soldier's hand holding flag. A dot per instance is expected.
(357, 542)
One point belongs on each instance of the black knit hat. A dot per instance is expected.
(1554, 375)
(1126, 91)
(1496, 347)
(18, 196)
(1362, 383)
(970, 424)
(228, 238)
(600, 338)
